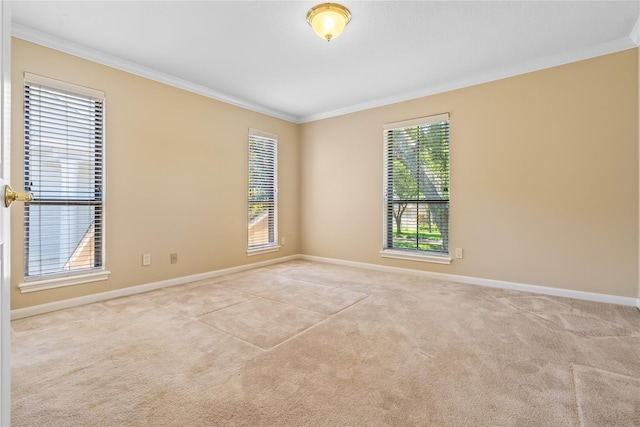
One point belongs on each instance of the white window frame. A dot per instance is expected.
(272, 245)
(398, 253)
(64, 277)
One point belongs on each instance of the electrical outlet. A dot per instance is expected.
(146, 259)
(174, 258)
(459, 253)
(283, 240)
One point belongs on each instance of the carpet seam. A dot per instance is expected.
(230, 335)
(222, 308)
(315, 311)
(578, 407)
(317, 324)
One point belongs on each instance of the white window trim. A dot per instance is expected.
(61, 85)
(97, 274)
(58, 282)
(415, 256)
(417, 122)
(263, 250)
(268, 247)
(410, 255)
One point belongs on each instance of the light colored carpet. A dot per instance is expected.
(312, 344)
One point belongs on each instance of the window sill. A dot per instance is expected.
(58, 282)
(263, 250)
(413, 256)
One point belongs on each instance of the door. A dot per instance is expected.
(5, 270)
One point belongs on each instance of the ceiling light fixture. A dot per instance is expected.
(328, 19)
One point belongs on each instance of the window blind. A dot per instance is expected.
(263, 190)
(64, 169)
(416, 191)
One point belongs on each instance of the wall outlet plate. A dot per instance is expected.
(146, 259)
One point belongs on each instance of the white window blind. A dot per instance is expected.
(64, 169)
(263, 190)
(416, 191)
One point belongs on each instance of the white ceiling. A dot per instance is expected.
(263, 55)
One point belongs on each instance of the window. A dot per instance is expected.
(416, 190)
(263, 192)
(64, 169)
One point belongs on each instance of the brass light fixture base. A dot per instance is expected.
(328, 20)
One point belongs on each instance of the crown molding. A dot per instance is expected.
(635, 33)
(34, 36)
(46, 40)
(493, 75)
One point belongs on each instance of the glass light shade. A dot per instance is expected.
(328, 20)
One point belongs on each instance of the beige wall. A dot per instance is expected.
(176, 176)
(544, 177)
(544, 186)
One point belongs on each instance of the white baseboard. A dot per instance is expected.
(545, 290)
(102, 296)
(88, 299)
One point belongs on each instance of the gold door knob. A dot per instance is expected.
(11, 196)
